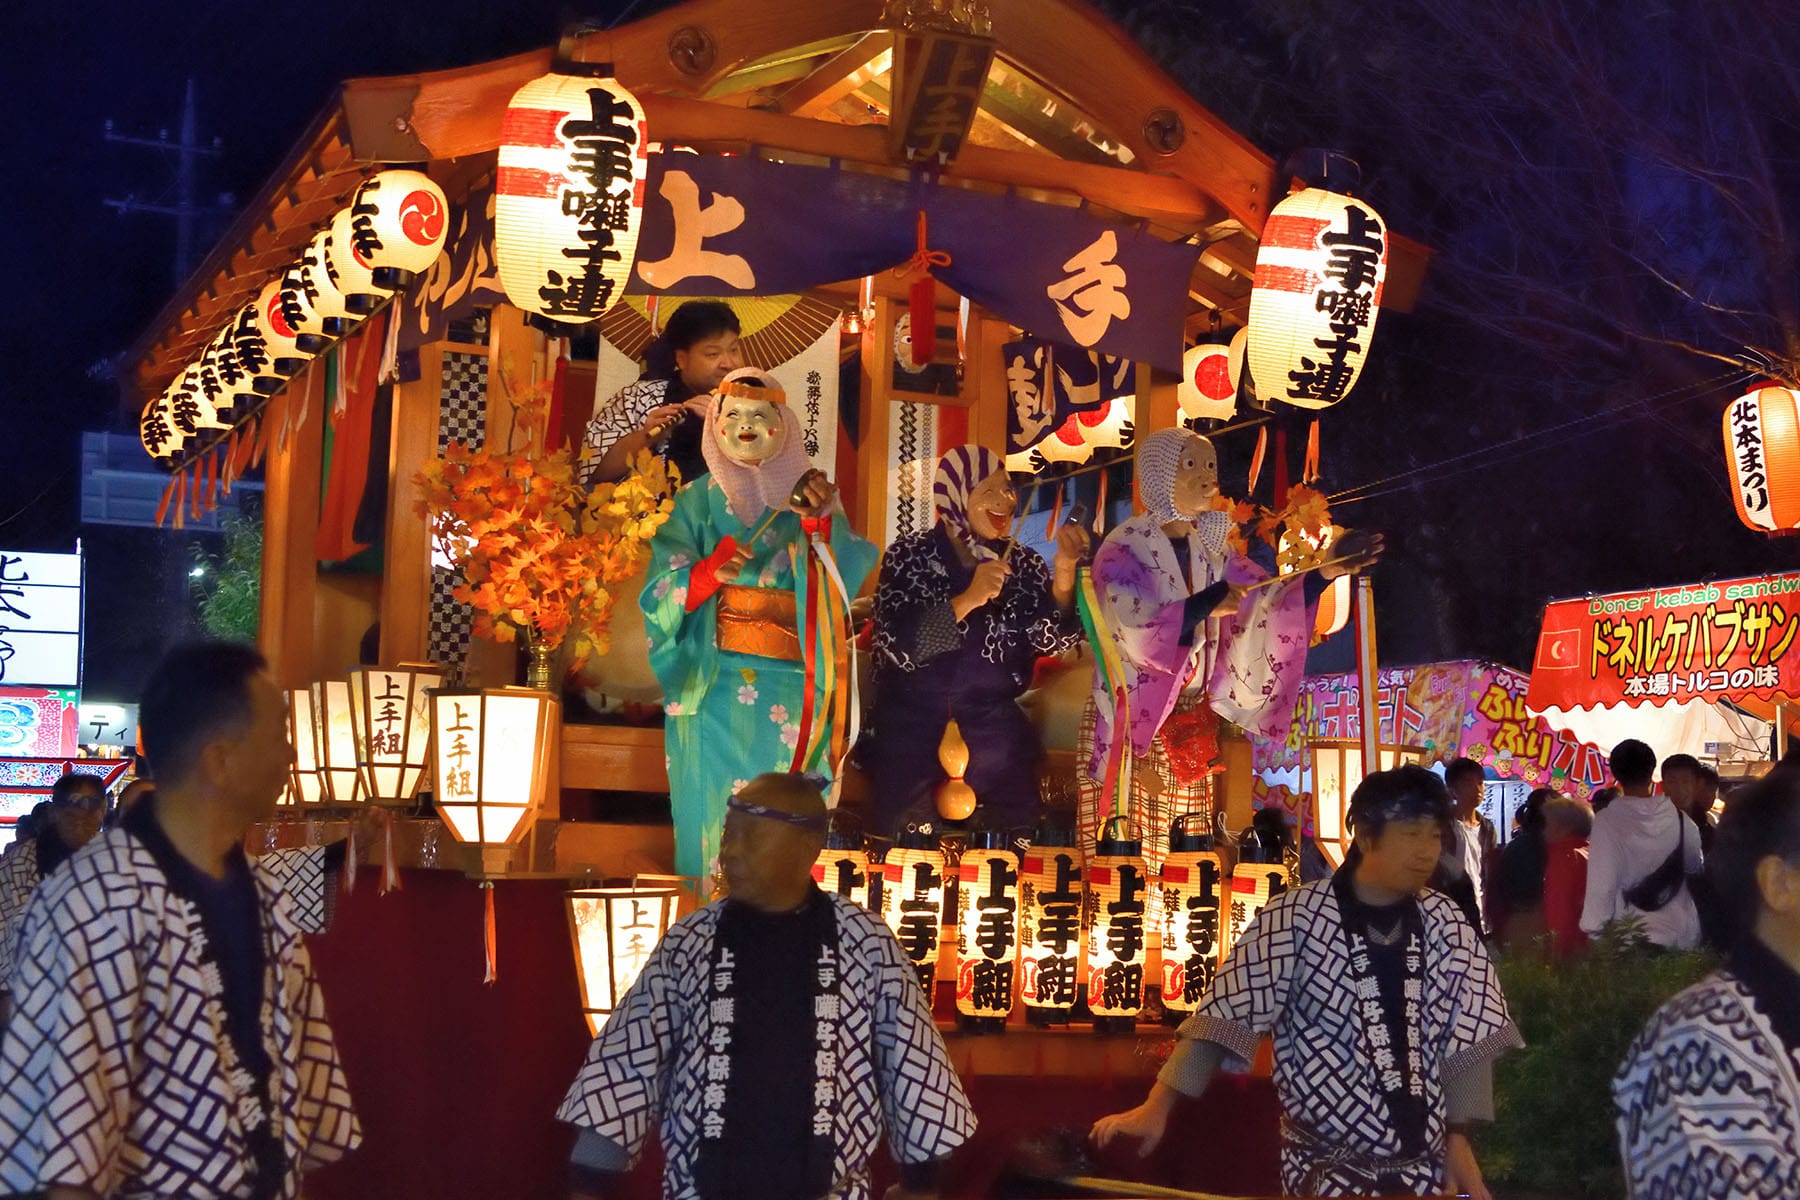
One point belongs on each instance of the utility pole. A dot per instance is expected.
(187, 152)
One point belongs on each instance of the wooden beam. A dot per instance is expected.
(837, 76)
(290, 519)
(984, 374)
(406, 549)
(869, 515)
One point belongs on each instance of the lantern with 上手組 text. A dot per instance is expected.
(987, 931)
(569, 191)
(1762, 452)
(614, 929)
(1253, 884)
(1050, 924)
(912, 898)
(1116, 913)
(306, 787)
(393, 728)
(1190, 886)
(334, 740)
(491, 750)
(1319, 272)
(843, 864)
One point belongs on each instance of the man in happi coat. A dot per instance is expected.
(772, 1039)
(1190, 634)
(1709, 1095)
(77, 806)
(746, 604)
(961, 617)
(1384, 1007)
(170, 1038)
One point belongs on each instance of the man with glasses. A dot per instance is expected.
(77, 806)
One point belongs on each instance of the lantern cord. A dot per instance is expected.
(1497, 453)
(349, 858)
(390, 868)
(490, 932)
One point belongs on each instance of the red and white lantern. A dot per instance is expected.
(286, 353)
(569, 192)
(1762, 452)
(348, 270)
(1210, 373)
(1319, 274)
(311, 302)
(398, 221)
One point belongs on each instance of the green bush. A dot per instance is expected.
(1553, 1133)
(228, 585)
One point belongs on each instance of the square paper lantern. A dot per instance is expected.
(1118, 928)
(1337, 769)
(305, 787)
(1319, 272)
(569, 194)
(1050, 925)
(614, 930)
(393, 729)
(912, 899)
(1191, 883)
(1762, 452)
(491, 764)
(987, 928)
(334, 739)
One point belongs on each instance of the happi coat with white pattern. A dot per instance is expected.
(116, 1073)
(648, 1067)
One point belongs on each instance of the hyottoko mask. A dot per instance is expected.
(748, 427)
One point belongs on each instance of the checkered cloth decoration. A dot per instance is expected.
(462, 417)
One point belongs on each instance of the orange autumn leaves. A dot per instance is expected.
(1306, 518)
(539, 554)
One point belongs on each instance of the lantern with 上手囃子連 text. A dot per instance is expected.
(1190, 885)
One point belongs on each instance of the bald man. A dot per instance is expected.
(779, 1029)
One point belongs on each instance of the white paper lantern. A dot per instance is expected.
(398, 221)
(311, 301)
(1066, 444)
(286, 353)
(1209, 381)
(1049, 926)
(1762, 454)
(1253, 885)
(334, 742)
(490, 759)
(843, 867)
(305, 786)
(1118, 924)
(1319, 274)
(348, 271)
(1108, 427)
(157, 431)
(190, 413)
(1191, 885)
(912, 902)
(987, 931)
(222, 381)
(614, 930)
(569, 193)
(393, 729)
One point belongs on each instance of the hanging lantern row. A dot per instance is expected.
(392, 230)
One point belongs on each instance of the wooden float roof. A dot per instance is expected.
(1073, 111)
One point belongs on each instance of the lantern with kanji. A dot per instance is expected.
(569, 192)
(1191, 883)
(912, 898)
(393, 729)
(1050, 924)
(843, 864)
(398, 221)
(222, 383)
(614, 930)
(491, 750)
(987, 930)
(1116, 914)
(305, 787)
(334, 739)
(348, 271)
(286, 353)
(1253, 884)
(1107, 427)
(1337, 769)
(1762, 452)
(1319, 273)
(310, 301)
(157, 431)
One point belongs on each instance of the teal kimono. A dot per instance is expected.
(731, 715)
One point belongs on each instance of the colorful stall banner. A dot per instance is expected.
(1730, 640)
(40, 620)
(38, 722)
(1477, 710)
(742, 226)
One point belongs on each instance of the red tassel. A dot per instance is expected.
(230, 467)
(921, 295)
(180, 498)
(1256, 460)
(493, 938)
(1309, 471)
(162, 509)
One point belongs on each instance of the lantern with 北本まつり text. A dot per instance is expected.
(1190, 884)
(1116, 913)
(334, 740)
(393, 728)
(1762, 452)
(306, 787)
(1050, 924)
(912, 898)
(1320, 268)
(614, 930)
(987, 931)
(569, 190)
(491, 752)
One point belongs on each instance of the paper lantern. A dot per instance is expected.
(1319, 273)
(1118, 926)
(348, 271)
(1190, 884)
(843, 867)
(1762, 452)
(334, 742)
(955, 798)
(569, 194)
(1209, 381)
(1337, 769)
(222, 382)
(287, 355)
(193, 418)
(912, 899)
(987, 928)
(310, 301)
(393, 729)
(398, 221)
(1049, 925)
(1107, 427)
(156, 430)
(614, 930)
(1253, 885)
(1334, 602)
(305, 786)
(491, 752)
